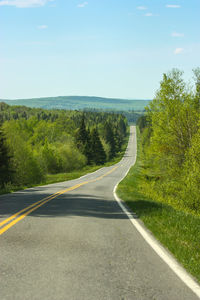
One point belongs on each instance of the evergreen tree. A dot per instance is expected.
(88, 148)
(142, 122)
(83, 141)
(99, 155)
(5, 169)
(110, 139)
(82, 134)
(122, 126)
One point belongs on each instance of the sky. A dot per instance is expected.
(107, 48)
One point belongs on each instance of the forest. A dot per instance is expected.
(35, 142)
(171, 143)
(131, 109)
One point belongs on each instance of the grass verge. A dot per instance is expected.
(178, 231)
(59, 177)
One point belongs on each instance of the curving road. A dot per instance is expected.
(71, 240)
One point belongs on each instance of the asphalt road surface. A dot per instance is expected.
(71, 240)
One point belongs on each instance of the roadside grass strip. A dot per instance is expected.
(177, 230)
(18, 216)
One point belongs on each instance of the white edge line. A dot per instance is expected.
(160, 250)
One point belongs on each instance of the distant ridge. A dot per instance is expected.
(81, 102)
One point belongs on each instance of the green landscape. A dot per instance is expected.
(81, 102)
(163, 186)
(100, 150)
(131, 109)
(57, 144)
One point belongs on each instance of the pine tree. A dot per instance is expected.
(88, 148)
(110, 139)
(83, 141)
(82, 134)
(99, 155)
(5, 169)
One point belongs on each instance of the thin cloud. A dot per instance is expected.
(148, 15)
(142, 7)
(24, 3)
(177, 34)
(81, 5)
(42, 27)
(173, 6)
(178, 51)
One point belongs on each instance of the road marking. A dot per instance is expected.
(157, 247)
(42, 202)
(26, 208)
(8, 223)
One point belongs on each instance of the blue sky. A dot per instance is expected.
(109, 48)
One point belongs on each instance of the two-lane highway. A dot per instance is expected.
(71, 240)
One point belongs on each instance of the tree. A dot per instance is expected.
(82, 134)
(191, 175)
(110, 139)
(197, 83)
(83, 140)
(171, 143)
(142, 122)
(53, 141)
(5, 169)
(99, 155)
(173, 120)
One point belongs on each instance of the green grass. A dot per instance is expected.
(53, 178)
(176, 230)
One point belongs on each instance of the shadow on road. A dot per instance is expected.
(68, 205)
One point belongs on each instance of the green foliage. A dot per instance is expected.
(83, 140)
(60, 158)
(191, 175)
(142, 122)
(23, 159)
(110, 139)
(170, 142)
(42, 142)
(99, 155)
(5, 168)
(197, 83)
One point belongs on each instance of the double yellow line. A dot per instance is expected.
(12, 220)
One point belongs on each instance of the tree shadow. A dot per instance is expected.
(75, 204)
(144, 207)
(65, 205)
(81, 205)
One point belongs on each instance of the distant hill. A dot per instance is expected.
(81, 103)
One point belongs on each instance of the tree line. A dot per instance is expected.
(36, 142)
(171, 142)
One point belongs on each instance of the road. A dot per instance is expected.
(79, 245)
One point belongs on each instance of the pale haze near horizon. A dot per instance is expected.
(117, 49)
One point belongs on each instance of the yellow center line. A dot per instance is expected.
(44, 200)
(21, 211)
(27, 210)
(5, 228)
